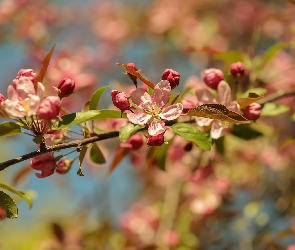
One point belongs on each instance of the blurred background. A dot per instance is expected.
(243, 199)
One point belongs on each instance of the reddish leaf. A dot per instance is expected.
(120, 154)
(217, 112)
(21, 174)
(42, 72)
(132, 71)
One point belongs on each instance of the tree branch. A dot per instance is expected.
(277, 95)
(57, 147)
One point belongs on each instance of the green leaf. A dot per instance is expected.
(128, 130)
(245, 132)
(83, 151)
(272, 109)
(95, 98)
(90, 115)
(258, 91)
(23, 195)
(9, 129)
(273, 50)
(8, 204)
(96, 155)
(161, 153)
(191, 133)
(230, 56)
(293, 117)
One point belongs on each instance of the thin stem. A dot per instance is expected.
(169, 210)
(58, 147)
(277, 95)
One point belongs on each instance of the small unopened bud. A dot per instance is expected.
(132, 77)
(187, 105)
(120, 100)
(212, 77)
(2, 99)
(66, 87)
(64, 166)
(252, 112)
(172, 77)
(237, 69)
(133, 142)
(156, 140)
(49, 108)
(45, 163)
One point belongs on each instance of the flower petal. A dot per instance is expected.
(204, 96)
(25, 87)
(139, 118)
(161, 94)
(217, 130)
(224, 93)
(141, 98)
(203, 122)
(156, 127)
(171, 112)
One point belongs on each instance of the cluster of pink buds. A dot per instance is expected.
(151, 110)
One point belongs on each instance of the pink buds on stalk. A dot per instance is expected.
(46, 163)
(49, 108)
(237, 69)
(212, 77)
(156, 140)
(66, 87)
(172, 77)
(2, 99)
(132, 77)
(120, 100)
(252, 112)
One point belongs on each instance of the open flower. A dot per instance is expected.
(153, 108)
(204, 96)
(23, 99)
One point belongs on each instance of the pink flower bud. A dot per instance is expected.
(187, 105)
(45, 163)
(49, 108)
(156, 140)
(120, 100)
(64, 166)
(252, 112)
(212, 77)
(237, 69)
(172, 77)
(132, 77)
(31, 74)
(133, 142)
(2, 99)
(66, 87)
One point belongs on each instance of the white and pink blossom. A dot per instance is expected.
(23, 100)
(153, 108)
